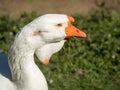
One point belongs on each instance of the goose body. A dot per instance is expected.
(43, 36)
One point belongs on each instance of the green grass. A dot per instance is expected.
(82, 64)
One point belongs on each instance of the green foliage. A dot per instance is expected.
(83, 64)
(9, 27)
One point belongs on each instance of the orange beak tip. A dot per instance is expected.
(84, 35)
(81, 34)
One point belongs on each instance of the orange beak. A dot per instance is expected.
(72, 31)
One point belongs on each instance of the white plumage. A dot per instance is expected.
(48, 50)
(43, 36)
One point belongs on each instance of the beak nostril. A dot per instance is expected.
(77, 31)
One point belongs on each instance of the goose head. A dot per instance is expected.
(47, 34)
(63, 28)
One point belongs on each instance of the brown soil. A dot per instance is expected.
(15, 7)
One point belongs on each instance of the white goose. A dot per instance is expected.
(44, 36)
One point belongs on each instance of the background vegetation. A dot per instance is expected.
(83, 64)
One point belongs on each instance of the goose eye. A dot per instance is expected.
(59, 24)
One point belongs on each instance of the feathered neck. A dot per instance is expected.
(25, 73)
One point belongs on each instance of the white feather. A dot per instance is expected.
(25, 73)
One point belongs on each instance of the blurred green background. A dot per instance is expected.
(82, 64)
